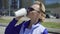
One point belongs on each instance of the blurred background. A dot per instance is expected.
(8, 7)
(52, 22)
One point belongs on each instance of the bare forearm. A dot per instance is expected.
(17, 18)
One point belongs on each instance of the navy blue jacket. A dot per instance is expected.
(12, 29)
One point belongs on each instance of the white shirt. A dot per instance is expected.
(27, 31)
(36, 29)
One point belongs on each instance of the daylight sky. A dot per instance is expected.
(52, 1)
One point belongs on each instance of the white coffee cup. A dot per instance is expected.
(21, 12)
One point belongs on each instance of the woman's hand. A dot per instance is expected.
(17, 18)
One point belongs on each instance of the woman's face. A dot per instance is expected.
(33, 15)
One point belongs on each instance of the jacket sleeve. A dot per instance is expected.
(45, 31)
(10, 26)
(12, 23)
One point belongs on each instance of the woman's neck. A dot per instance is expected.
(31, 23)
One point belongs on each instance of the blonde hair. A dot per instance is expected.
(42, 8)
(41, 5)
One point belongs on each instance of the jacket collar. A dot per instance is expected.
(26, 24)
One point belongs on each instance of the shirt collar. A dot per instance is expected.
(35, 25)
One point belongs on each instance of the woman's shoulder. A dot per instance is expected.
(41, 28)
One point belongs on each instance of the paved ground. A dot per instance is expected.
(54, 30)
(2, 29)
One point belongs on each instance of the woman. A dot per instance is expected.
(36, 13)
